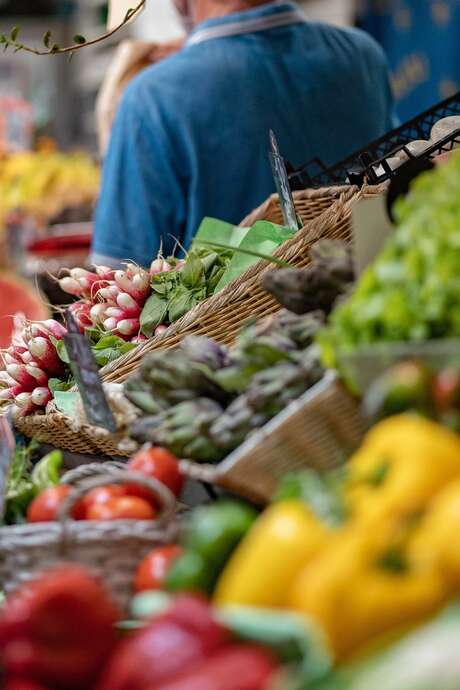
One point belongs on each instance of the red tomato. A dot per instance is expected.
(160, 464)
(45, 506)
(152, 571)
(123, 508)
(102, 495)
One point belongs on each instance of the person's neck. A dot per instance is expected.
(210, 9)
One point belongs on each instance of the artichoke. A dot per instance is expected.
(317, 286)
(173, 378)
(269, 393)
(183, 429)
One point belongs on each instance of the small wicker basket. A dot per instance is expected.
(112, 550)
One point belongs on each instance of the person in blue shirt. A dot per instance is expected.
(191, 135)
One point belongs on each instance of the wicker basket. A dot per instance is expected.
(58, 430)
(112, 550)
(317, 431)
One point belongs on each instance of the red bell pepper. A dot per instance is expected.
(22, 684)
(236, 667)
(58, 630)
(182, 638)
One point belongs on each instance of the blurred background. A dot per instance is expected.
(50, 144)
(420, 38)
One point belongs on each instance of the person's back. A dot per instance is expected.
(191, 137)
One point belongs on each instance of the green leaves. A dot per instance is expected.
(79, 39)
(14, 34)
(153, 314)
(109, 348)
(47, 39)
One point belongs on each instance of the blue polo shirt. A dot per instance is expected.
(191, 135)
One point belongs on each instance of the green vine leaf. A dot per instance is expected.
(47, 39)
(15, 33)
(79, 39)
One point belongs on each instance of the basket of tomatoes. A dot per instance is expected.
(105, 516)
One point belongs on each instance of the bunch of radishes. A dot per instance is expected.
(112, 301)
(29, 363)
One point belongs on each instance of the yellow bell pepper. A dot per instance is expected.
(403, 462)
(437, 539)
(355, 598)
(261, 571)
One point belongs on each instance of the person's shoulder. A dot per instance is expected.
(165, 78)
(354, 38)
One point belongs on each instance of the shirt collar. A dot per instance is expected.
(269, 9)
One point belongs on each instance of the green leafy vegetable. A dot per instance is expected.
(412, 290)
(109, 348)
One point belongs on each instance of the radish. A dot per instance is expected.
(110, 293)
(19, 373)
(27, 357)
(8, 358)
(115, 313)
(104, 272)
(24, 403)
(6, 394)
(141, 338)
(6, 380)
(160, 266)
(23, 399)
(110, 324)
(46, 356)
(41, 396)
(71, 286)
(56, 329)
(129, 305)
(40, 376)
(160, 329)
(138, 287)
(97, 313)
(128, 326)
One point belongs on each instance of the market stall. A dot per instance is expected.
(317, 399)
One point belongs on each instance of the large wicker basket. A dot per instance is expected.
(112, 550)
(219, 317)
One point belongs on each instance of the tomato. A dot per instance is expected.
(122, 508)
(160, 464)
(45, 506)
(152, 571)
(102, 495)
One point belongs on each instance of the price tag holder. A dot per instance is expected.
(86, 373)
(7, 447)
(371, 227)
(282, 185)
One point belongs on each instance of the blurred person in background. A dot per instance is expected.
(190, 138)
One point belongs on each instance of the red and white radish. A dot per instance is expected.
(41, 396)
(128, 326)
(46, 356)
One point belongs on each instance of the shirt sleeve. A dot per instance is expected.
(141, 205)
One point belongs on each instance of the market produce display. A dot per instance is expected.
(411, 291)
(203, 400)
(209, 399)
(35, 493)
(42, 185)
